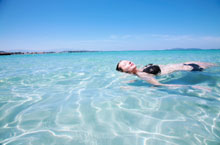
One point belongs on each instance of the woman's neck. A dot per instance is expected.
(135, 71)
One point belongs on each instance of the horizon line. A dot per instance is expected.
(63, 51)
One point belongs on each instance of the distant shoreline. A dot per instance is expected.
(82, 51)
(51, 52)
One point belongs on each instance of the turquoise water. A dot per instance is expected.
(80, 99)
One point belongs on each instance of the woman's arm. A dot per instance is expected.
(153, 81)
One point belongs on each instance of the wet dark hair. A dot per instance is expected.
(118, 68)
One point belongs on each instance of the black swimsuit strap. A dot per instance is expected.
(150, 64)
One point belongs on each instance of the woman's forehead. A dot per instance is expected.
(123, 62)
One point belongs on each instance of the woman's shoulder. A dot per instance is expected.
(144, 74)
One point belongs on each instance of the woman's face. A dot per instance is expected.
(127, 66)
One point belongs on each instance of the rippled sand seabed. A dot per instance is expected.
(79, 99)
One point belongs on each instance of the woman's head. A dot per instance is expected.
(126, 66)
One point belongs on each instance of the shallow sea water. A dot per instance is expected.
(80, 99)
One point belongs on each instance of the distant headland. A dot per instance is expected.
(15, 53)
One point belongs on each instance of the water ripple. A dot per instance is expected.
(81, 99)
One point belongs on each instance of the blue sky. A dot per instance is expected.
(55, 25)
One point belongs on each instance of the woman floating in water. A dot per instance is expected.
(149, 71)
